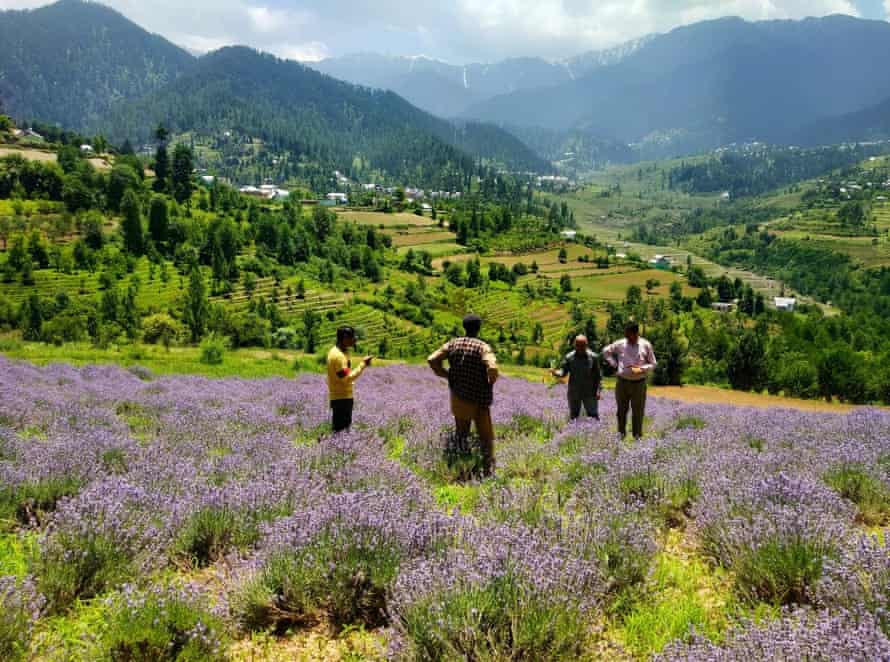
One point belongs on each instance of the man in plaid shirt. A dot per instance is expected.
(472, 372)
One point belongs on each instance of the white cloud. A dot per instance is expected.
(311, 51)
(460, 30)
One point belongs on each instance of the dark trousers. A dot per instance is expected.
(590, 403)
(631, 395)
(341, 414)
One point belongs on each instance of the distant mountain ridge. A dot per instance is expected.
(447, 90)
(86, 67)
(716, 82)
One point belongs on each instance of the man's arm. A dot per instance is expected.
(491, 364)
(609, 355)
(562, 370)
(597, 373)
(649, 359)
(436, 359)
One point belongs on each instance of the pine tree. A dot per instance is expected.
(158, 222)
(196, 308)
(162, 168)
(181, 179)
(131, 225)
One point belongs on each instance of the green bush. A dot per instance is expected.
(213, 349)
(213, 531)
(81, 566)
(871, 496)
(162, 625)
(29, 503)
(341, 579)
(498, 620)
(781, 573)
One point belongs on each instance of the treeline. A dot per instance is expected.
(751, 172)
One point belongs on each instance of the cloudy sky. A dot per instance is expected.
(457, 30)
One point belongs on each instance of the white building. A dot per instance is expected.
(86, 149)
(568, 234)
(339, 198)
(785, 304)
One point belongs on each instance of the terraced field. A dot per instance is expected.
(379, 219)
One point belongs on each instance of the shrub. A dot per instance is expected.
(871, 496)
(781, 572)
(499, 619)
(161, 625)
(213, 349)
(19, 608)
(343, 578)
(29, 503)
(69, 567)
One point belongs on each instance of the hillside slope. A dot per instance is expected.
(70, 62)
(296, 109)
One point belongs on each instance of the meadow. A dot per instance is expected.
(186, 518)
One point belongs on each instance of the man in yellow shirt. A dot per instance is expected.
(341, 377)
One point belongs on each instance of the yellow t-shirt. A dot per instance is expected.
(341, 375)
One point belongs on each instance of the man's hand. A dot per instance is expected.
(555, 373)
(367, 360)
(637, 370)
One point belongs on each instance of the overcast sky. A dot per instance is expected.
(458, 31)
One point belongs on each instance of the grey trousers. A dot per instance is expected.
(590, 403)
(631, 395)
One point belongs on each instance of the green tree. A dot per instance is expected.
(32, 318)
(161, 168)
(131, 224)
(181, 177)
(746, 367)
(158, 221)
(121, 179)
(196, 307)
(672, 350)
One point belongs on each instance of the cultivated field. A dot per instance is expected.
(48, 156)
(379, 219)
(218, 516)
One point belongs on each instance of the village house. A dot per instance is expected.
(785, 304)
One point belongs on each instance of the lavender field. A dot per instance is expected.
(182, 518)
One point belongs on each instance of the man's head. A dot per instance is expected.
(632, 332)
(472, 325)
(346, 337)
(581, 343)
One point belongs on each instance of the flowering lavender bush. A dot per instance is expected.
(802, 635)
(122, 480)
(20, 607)
(162, 624)
(859, 579)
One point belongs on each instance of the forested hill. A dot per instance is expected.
(86, 67)
(68, 63)
(293, 108)
(718, 82)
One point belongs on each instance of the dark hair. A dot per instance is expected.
(345, 332)
(472, 325)
(632, 327)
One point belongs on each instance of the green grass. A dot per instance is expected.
(14, 551)
(244, 363)
(682, 593)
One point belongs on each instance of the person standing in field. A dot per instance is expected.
(582, 367)
(633, 359)
(341, 377)
(471, 374)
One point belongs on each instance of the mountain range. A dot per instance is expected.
(86, 67)
(692, 89)
(448, 90)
